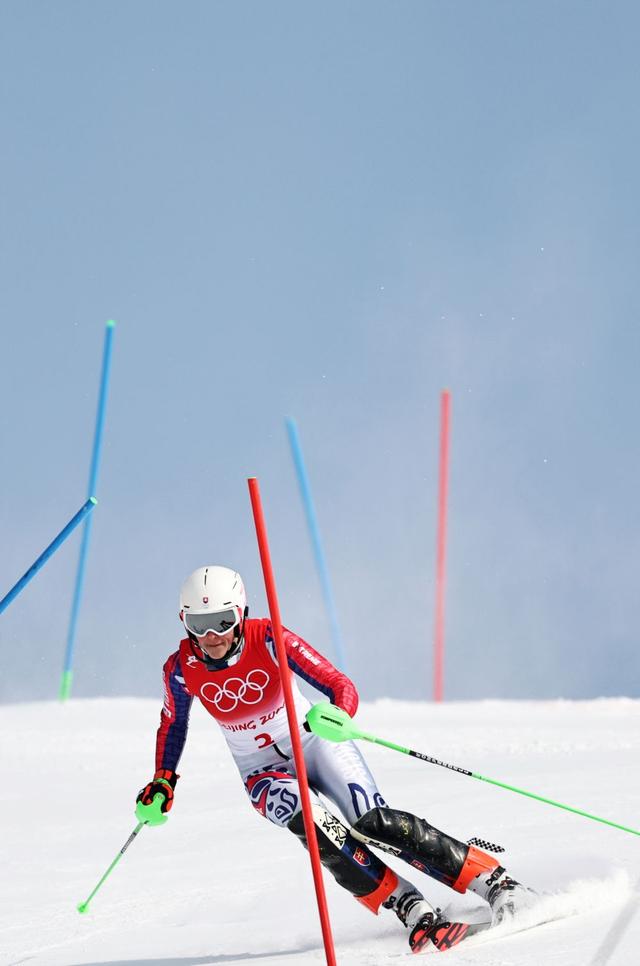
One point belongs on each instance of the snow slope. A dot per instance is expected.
(217, 884)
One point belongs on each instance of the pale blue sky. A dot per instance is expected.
(330, 211)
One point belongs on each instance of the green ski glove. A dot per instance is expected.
(156, 798)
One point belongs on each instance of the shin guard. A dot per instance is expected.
(422, 846)
(352, 864)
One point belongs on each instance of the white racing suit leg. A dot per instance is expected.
(339, 773)
(336, 771)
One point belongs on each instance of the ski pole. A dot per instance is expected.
(334, 724)
(83, 906)
(157, 801)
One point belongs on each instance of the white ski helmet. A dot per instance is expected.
(213, 599)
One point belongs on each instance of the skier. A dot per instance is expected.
(228, 662)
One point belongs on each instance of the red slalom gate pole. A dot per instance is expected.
(301, 770)
(441, 550)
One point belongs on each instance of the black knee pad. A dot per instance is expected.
(414, 840)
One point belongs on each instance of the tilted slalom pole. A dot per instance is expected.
(334, 724)
(289, 700)
(50, 550)
(67, 670)
(316, 542)
(83, 906)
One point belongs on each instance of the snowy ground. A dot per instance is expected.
(217, 884)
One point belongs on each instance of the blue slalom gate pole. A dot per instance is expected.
(51, 549)
(314, 530)
(67, 673)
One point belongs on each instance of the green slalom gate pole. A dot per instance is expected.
(159, 818)
(334, 724)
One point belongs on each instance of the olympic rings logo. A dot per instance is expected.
(235, 691)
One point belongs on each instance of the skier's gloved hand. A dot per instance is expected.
(156, 798)
(329, 721)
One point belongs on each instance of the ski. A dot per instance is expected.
(443, 934)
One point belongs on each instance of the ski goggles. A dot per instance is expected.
(219, 622)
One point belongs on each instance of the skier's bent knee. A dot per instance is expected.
(352, 864)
